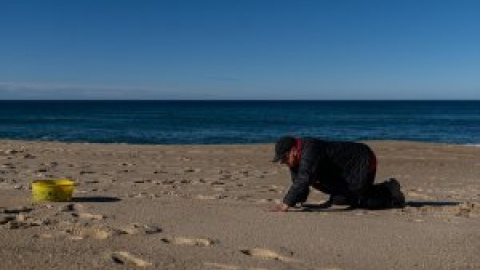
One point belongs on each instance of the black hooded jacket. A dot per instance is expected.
(333, 167)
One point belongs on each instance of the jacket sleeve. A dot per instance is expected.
(299, 189)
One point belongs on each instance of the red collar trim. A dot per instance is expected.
(299, 147)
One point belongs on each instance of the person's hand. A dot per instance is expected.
(279, 208)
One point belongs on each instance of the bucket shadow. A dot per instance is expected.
(431, 204)
(96, 199)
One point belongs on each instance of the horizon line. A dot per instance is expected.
(243, 100)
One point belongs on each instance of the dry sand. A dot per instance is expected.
(203, 207)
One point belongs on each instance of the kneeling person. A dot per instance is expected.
(344, 170)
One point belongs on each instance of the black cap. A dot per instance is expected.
(283, 145)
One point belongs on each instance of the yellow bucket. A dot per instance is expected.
(53, 190)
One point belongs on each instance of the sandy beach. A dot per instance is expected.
(204, 207)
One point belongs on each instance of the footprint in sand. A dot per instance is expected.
(221, 266)
(88, 216)
(71, 207)
(267, 254)
(78, 233)
(210, 197)
(16, 210)
(468, 209)
(184, 158)
(217, 183)
(6, 219)
(76, 212)
(142, 181)
(465, 209)
(139, 229)
(206, 197)
(16, 218)
(202, 242)
(123, 257)
(191, 170)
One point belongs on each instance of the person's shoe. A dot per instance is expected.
(398, 198)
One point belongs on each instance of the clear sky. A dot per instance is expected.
(240, 49)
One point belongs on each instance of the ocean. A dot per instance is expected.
(239, 122)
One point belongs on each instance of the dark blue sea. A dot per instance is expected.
(239, 122)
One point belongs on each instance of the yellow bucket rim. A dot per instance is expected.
(54, 182)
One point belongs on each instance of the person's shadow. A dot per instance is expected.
(430, 203)
(96, 199)
(326, 207)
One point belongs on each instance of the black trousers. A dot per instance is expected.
(376, 196)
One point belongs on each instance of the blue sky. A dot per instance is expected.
(240, 49)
